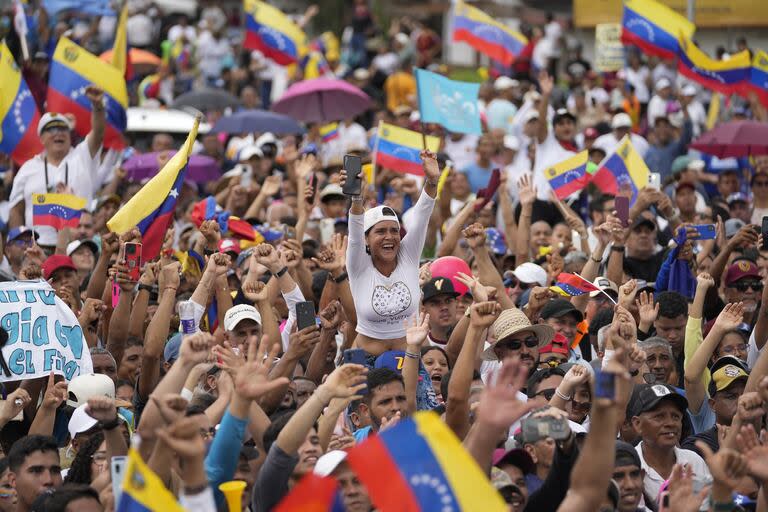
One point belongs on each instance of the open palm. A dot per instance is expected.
(417, 330)
(252, 378)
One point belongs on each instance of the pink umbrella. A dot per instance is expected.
(737, 138)
(322, 100)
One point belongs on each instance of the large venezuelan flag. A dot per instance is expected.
(398, 149)
(420, 465)
(485, 34)
(624, 167)
(653, 27)
(270, 31)
(57, 210)
(152, 208)
(758, 78)
(143, 491)
(18, 112)
(569, 176)
(72, 70)
(725, 76)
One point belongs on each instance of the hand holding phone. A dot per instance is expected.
(622, 210)
(132, 258)
(305, 314)
(353, 186)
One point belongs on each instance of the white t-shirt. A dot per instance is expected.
(462, 151)
(353, 136)
(657, 107)
(78, 170)
(548, 153)
(382, 302)
(638, 79)
(211, 53)
(653, 481)
(177, 31)
(609, 143)
(386, 62)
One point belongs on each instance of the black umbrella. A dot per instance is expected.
(206, 99)
(249, 121)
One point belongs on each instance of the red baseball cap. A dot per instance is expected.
(740, 270)
(229, 245)
(559, 345)
(57, 262)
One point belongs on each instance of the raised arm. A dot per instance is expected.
(453, 233)
(546, 83)
(141, 302)
(487, 271)
(95, 137)
(98, 279)
(416, 333)
(527, 193)
(761, 326)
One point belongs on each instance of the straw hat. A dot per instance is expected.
(512, 321)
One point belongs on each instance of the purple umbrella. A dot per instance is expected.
(201, 168)
(737, 138)
(322, 100)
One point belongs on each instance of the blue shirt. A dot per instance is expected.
(477, 176)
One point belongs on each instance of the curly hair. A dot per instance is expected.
(80, 470)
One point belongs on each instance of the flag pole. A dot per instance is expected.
(601, 290)
(375, 154)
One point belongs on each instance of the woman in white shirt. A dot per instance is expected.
(383, 269)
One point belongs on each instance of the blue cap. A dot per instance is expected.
(494, 239)
(269, 234)
(243, 256)
(171, 350)
(19, 231)
(392, 359)
(310, 148)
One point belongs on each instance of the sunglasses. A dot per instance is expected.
(530, 342)
(514, 283)
(742, 286)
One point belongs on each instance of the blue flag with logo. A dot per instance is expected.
(448, 103)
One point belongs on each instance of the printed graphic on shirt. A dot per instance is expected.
(391, 301)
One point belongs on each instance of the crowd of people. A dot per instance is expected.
(647, 393)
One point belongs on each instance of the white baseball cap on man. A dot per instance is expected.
(531, 273)
(378, 214)
(53, 119)
(237, 314)
(89, 385)
(621, 120)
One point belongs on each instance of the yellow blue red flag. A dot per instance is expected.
(143, 491)
(18, 112)
(727, 76)
(270, 31)
(569, 176)
(73, 69)
(653, 27)
(120, 56)
(421, 465)
(329, 131)
(622, 168)
(758, 77)
(57, 210)
(398, 149)
(485, 34)
(152, 208)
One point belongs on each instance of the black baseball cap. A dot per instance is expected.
(626, 455)
(563, 113)
(438, 286)
(726, 371)
(641, 220)
(646, 397)
(559, 307)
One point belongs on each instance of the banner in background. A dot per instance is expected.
(707, 13)
(609, 52)
(43, 333)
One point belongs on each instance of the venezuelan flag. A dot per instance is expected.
(624, 167)
(758, 78)
(313, 493)
(725, 76)
(329, 132)
(486, 35)
(421, 465)
(120, 56)
(152, 208)
(569, 176)
(653, 27)
(18, 112)
(207, 209)
(572, 285)
(143, 491)
(57, 210)
(270, 31)
(72, 70)
(398, 149)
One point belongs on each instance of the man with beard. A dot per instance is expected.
(659, 359)
(628, 475)
(516, 337)
(657, 416)
(384, 403)
(438, 300)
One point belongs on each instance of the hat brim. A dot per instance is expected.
(544, 333)
(450, 294)
(676, 398)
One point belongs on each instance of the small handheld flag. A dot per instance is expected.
(398, 149)
(622, 168)
(143, 491)
(572, 285)
(57, 210)
(569, 176)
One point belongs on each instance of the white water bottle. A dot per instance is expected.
(187, 316)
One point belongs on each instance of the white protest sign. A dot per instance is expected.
(43, 333)
(609, 51)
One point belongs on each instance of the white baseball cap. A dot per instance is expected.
(531, 273)
(86, 386)
(52, 118)
(249, 152)
(621, 120)
(237, 314)
(504, 82)
(328, 462)
(76, 244)
(662, 83)
(80, 421)
(511, 142)
(378, 214)
(688, 90)
(605, 285)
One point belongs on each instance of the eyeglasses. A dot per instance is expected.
(742, 286)
(741, 347)
(546, 393)
(517, 344)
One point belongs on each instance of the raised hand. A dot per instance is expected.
(271, 186)
(334, 257)
(149, 274)
(55, 393)
(255, 291)
(171, 406)
(499, 405)
(267, 255)
(342, 442)
(538, 297)
(183, 437)
(546, 83)
(526, 191)
(681, 495)
(755, 453)
(252, 378)
(95, 94)
(123, 278)
(727, 466)
(110, 244)
(345, 381)
(431, 168)
(102, 409)
(92, 310)
(416, 331)
(302, 342)
(425, 274)
(483, 314)
(750, 407)
(627, 292)
(169, 277)
(648, 311)
(704, 281)
(474, 234)
(211, 231)
(195, 348)
(330, 316)
(576, 376)
(730, 317)
(305, 165)
(218, 264)
(13, 405)
(480, 292)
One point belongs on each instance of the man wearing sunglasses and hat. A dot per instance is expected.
(60, 166)
(516, 336)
